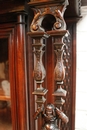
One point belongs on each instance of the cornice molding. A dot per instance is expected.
(73, 9)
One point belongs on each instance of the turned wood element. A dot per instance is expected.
(55, 15)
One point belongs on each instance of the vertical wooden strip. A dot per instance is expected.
(30, 83)
(50, 70)
(73, 74)
(12, 80)
(20, 72)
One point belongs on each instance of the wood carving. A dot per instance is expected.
(47, 22)
(39, 72)
(41, 13)
(51, 114)
(59, 70)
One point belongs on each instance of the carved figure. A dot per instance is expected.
(50, 118)
(51, 114)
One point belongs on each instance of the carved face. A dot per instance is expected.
(49, 110)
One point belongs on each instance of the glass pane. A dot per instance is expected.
(5, 101)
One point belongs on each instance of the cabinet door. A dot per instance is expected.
(5, 98)
(8, 109)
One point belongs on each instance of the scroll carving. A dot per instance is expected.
(40, 13)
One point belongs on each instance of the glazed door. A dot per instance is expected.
(7, 78)
(5, 94)
(13, 90)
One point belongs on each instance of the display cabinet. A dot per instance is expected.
(19, 80)
(13, 81)
(5, 98)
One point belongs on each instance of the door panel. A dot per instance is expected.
(5, 96)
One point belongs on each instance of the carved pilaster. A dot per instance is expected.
(49, 22)
(59, 71)
(39, 72)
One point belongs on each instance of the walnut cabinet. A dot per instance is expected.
(17, 103)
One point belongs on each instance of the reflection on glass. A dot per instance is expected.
(5, 103)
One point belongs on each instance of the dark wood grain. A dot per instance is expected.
(20, 72)
(6, 32)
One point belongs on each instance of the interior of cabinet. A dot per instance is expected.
(5, 99)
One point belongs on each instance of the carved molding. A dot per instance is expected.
(74, 9)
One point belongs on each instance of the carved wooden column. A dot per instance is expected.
(39, 73)
(49, 22)
(59, 70)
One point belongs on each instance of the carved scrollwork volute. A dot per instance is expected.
(55, 15)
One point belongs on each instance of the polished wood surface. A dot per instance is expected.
(16, 71)
(20, 71)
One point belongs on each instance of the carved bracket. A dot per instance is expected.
(49, 18)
